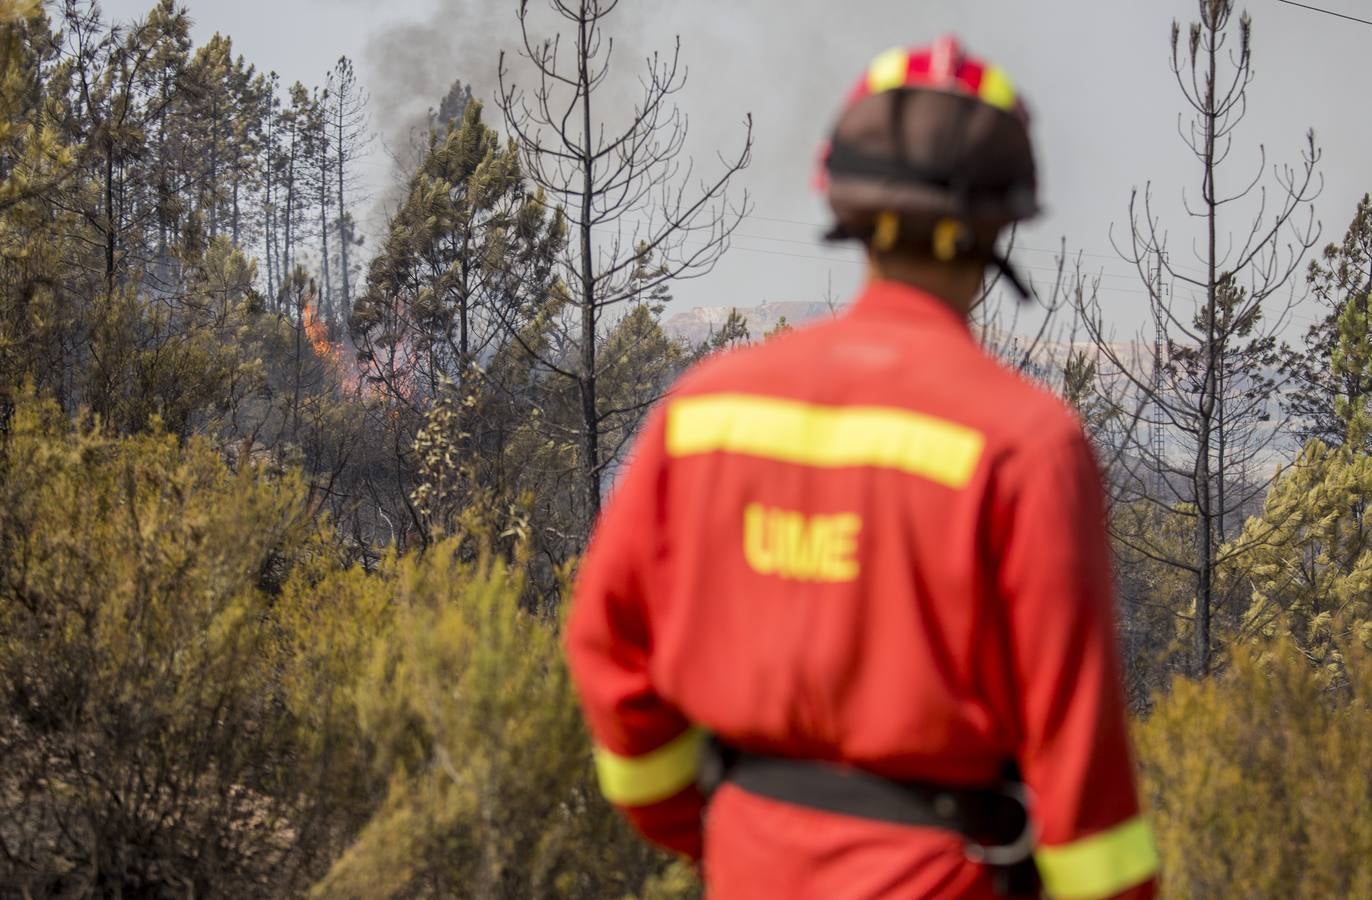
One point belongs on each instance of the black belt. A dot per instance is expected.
(993, 820)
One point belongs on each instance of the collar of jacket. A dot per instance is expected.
(896, 300)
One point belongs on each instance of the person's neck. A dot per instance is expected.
(948, 285)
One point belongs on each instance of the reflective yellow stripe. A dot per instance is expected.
(888, 71)
(824, 436)
(997, 89)
(1101, 865)
(654, 776)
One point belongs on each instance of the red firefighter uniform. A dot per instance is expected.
(862, 542)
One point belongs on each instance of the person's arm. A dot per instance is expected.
(647, 755)
(1055, 577)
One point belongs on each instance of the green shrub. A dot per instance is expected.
(141, 747)
(196, 698)
(1259, 779)
(464, 711)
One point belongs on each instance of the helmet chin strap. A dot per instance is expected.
(991, 256)
(1004, 267)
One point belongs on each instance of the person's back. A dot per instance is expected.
(838, 603)
(867, 545)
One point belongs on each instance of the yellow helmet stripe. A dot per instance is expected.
(997, 89)
(888, 71)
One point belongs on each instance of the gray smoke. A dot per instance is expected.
(786, 61)
(789, 63)
(412, 65)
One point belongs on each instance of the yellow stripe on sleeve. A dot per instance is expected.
(824, 436)
(1101, 865)
(653, 776)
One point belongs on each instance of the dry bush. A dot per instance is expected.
(1259, 781)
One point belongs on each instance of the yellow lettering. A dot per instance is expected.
(840, 564)
(791, 545)
(794, 541)
(756, 547)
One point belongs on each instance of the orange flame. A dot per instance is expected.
(342, 360)
(318, 334)
(334, 353)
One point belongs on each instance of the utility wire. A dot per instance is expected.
(1327, 12)
(849, 261)
(1018, 247)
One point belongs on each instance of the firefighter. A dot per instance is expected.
(849, 611)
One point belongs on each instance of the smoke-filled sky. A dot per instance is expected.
(1095, 72)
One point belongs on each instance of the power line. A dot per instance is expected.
(1017, 247)
(842, 260)
(1327, 12)
(830, 254)
(838, 252)
(850, 260)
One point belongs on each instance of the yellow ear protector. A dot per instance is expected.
(885, 231)
(951, 239)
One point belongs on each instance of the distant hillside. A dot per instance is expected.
(694, 326)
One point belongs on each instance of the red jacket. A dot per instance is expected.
(866, 542)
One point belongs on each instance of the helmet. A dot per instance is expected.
(931, 151)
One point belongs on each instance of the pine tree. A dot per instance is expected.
(295, 130)
(39, 320)
(1200, 376)
(321, 185)
(19, 63)
(618, 186)
(271, 184)
(468, 256)
(301, 127)
(211, 92)
(348, 138)
(221, 105)
(34, 158)
(452, 109)
(248, 88)
(733, 332)
(1310, 563)
(122, 87)
(1342, 276)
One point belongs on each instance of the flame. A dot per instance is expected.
(335, 354)
(318, 335)
(341, 359)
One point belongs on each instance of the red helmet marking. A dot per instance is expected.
(944, 66)
(945, 61)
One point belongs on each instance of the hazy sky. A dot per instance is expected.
(1095, 72)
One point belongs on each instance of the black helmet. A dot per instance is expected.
(932, 151)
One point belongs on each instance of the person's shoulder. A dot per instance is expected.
(1028, 414)
(749, 365)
